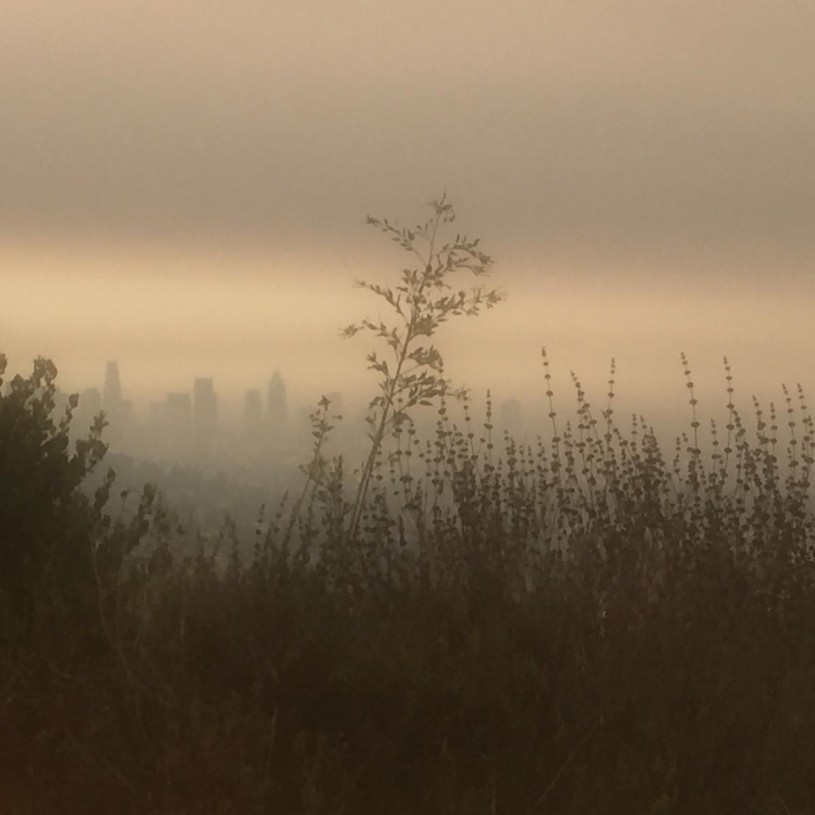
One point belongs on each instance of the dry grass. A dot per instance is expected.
(580, 625)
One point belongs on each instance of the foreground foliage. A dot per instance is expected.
(577, 627)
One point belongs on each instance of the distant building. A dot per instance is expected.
(112, 392)
(276, 401)
(118, 411)
(204, 404)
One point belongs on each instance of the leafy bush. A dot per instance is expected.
(46, 520)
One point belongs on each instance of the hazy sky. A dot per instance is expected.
(183, 184)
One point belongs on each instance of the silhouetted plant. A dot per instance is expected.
(423, 300)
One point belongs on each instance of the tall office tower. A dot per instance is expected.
(112, 392)
(252, 409)
(276, 404)
(204, 404)
(117, 411)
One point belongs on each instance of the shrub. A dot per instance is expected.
(46, 520)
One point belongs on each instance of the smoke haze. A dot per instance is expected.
(183, 187)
